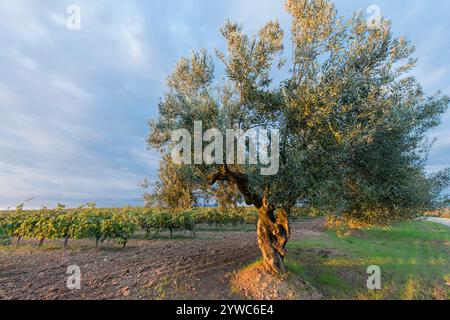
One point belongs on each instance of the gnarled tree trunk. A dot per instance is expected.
(273, 225)
(273, 235)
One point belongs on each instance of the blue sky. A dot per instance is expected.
(74, 105)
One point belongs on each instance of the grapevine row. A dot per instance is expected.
(105, 224)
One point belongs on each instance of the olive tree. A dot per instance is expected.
(352, 120)
(172, 191)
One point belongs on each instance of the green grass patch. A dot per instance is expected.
(413, 257)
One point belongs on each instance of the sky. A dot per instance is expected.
(74, 104)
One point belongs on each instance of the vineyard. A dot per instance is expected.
(104, 224)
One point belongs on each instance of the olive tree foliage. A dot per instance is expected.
(172, 191)
(226, 195)
(175, 191)
(352, 119)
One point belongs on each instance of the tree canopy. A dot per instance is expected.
(352, 119)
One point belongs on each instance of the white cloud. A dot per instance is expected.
(19, 20)
(129, 36)
(49, 187)
(70, 88)
(58, 19)
(22, 60)
(254, 14)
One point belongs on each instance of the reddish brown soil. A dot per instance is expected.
(147, 269)
(255, 283)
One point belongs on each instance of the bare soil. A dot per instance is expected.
(182, 268)
(256, 284)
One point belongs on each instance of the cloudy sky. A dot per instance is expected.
(74, 104)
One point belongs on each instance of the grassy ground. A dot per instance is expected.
(413, 257)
